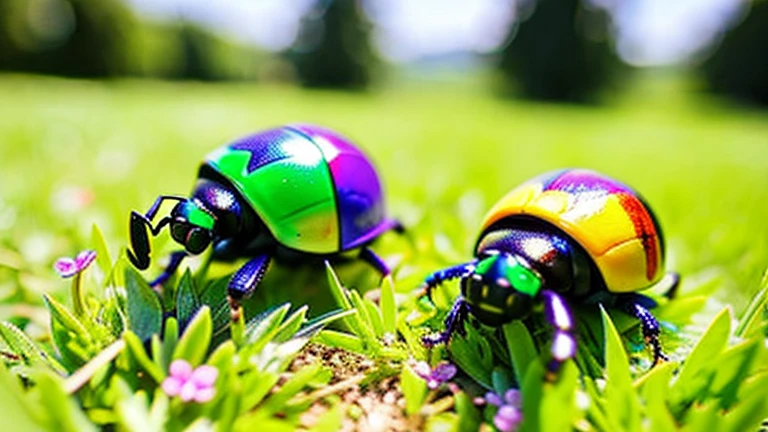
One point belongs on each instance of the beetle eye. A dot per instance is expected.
(179, 231)
(197, 240)
(473, 286)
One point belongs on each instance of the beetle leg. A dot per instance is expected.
(396, 226)
(650, 327)
(454, 322)
(437, 278)
(175, 261)
(557, 313)
(138, 253)
(671, 282)
(369, 256)
(245, 281)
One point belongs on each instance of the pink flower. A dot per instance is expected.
(67, 267)
(443, 372)
(508, 416)
(191, 385)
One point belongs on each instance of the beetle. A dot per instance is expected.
(287, 193)
(566, 236)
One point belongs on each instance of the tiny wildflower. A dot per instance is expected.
(67, 267)
(443, 372)
(191, 385)
(508, 416)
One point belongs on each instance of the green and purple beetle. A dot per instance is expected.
(285, 194)
(567, 236)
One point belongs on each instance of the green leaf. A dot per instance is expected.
(681, 310)
(70, 336)
(103, 259)
(375, 315)
(291, 325)
(731, 369)
(624, 407)
(63, 413)
(256, 386)
(557, 405)
(692, 377)
(414, 390)
(135, 413)
(170, 340)
(294, 385)
(388, 306)
(139, 354)
(412, 340)
(66, 318)
(655, 389)
(194, 342)
(329, 421)
(469, 415)
(354, 323)
(158, 356)
(316, 324)
(263, 327)
(19, 413)
(501, 380)
(704, 417)
(259, 420)
(747, 415)
(20, 344)
(215, 296)
(221, 358)
(473, 355)
(187, 301)
(341, 340)
(96, 370)
(522, 350)
(753, 320)
(145, 314)
(72, 353)
(366, 327)
(532, 394)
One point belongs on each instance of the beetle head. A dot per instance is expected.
(501, 288)
(192, 225)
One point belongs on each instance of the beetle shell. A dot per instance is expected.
(609, 220)
(313, 189)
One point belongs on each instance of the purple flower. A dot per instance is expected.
(508, 416)
(443, 372)
(191, 385)
(67, 267)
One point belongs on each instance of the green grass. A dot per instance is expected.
(445, 157)
(446, 153)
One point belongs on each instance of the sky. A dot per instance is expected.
(649, 32)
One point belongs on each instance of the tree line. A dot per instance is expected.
(561, 51)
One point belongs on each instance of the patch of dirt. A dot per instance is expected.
(376, 406)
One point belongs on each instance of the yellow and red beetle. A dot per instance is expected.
(567, 236)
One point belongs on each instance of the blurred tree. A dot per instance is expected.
(561, 52)
(80, 38)
(333, 48)
(739, 67)
(206, 56)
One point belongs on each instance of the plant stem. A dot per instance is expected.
(78, 303)
(82, 375)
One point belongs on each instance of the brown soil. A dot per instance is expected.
(371, 407)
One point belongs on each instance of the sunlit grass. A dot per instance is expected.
(77, 153)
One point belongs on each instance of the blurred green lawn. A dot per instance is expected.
(446, 152)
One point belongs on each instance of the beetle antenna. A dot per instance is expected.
(139, 251)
